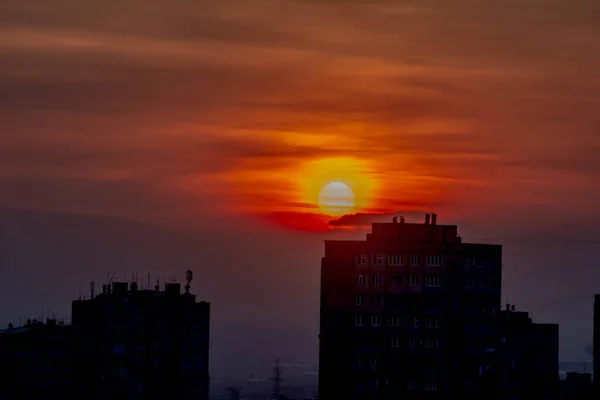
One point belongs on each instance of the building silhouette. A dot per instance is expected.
(141, 344)
(412, 312)
(526, 357)
(36, 361)
(596, 345)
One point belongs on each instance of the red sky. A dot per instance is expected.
(171, 110)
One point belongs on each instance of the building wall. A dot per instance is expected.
(37, 360)
(406, 313)
(142, 344)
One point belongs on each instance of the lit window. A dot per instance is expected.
(415, 260)
(414, 280)
(358, 320)
(395, 259)
(362, 259)
(431, 384)
(375, 320)
(360, 279)
(433, 261)
(396, 341)
(433, 281)
(359, 299)
(378, 259)
(376, 280)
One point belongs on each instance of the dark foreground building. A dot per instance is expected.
(410, 312)
(141, 344)
(527, 357)
(36, 361)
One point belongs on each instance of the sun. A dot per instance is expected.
(338, 185)
(336, 199)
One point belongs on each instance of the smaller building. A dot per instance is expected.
(36, 361)
(577, 386)
(526, 357)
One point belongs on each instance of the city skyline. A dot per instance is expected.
(157, 136)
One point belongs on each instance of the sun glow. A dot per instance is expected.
(338, 186)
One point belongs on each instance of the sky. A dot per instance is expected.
(231, 115)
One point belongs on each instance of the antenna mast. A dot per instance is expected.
(277, 380)
(189, 275)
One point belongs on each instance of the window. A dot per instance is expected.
(394, 321)
(437, 322)
(362, 259)
(395, 259)
(359, 362)
(433, 281)
(433, 261)
(480, 262)
(479, 283)
(378, 259)
(376, 300)
(410, 384)
(415, 260)
(430, 323)
(416, 322)
(414, 280)
(431, 384)
(396, 279)
(411, 343)
(435, 343)
(359, 299)
(360, 279)
(468, 282)
(373, 362)
(358, 320)
(375, 320)
(396, 341)
(376, 280)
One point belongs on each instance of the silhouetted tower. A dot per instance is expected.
(188, 277)
(277, 380)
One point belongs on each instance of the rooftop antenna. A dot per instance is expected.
(157, 287)
(174, 279)
(189, 275)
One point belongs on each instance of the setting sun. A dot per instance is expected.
(338, 186)
(336, 199)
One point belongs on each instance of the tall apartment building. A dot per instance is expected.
(408, 312)
(141, 344)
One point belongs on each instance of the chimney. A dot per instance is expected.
(402, 220)
(507, 307)
(395, 220)
(433, 219)
(427, 219)
(512, 307)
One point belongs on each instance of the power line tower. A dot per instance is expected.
(277, 379)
